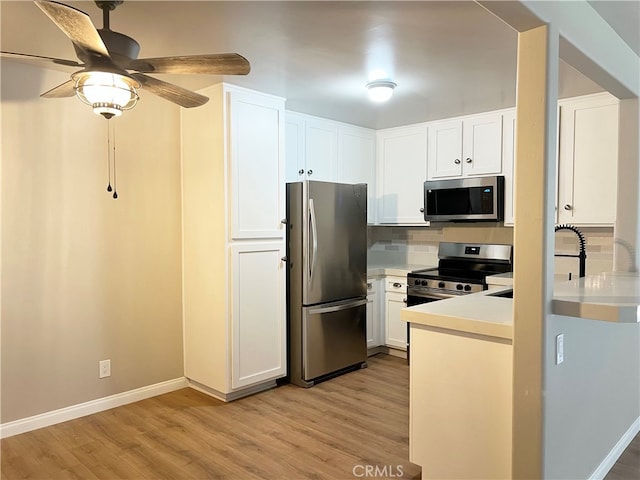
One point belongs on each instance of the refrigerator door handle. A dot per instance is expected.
(314, 238)
(337, 307)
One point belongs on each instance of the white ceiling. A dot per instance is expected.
(448, 58)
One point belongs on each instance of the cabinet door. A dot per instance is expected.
(588, 163)
(256, 165)
(258, 324)
(402, 170)
(508, 159)
(294, 148)
(482, 145)
(357, 161)
(445, 149)
(321, 150)
(396, 329)
(374, 337)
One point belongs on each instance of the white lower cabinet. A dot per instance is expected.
(374, 320)
(259, 336)
(395, 299)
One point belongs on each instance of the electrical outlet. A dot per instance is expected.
(105, 368)
(559, 349)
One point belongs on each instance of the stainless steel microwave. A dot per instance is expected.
(478, 199)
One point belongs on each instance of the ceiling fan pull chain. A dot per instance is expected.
(109, 189)
(115, 189)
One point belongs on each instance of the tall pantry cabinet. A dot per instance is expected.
(233, 242)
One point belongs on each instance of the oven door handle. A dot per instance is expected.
(432, 295)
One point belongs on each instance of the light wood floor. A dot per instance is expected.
(628, 465)
(351, 421)
(326, 432)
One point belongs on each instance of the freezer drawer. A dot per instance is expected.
(334, 337)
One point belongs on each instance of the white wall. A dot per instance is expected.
(86, 277)
(592, 398)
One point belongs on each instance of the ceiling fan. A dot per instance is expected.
(111, 73)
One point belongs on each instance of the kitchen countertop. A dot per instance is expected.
(476, 313)
(611, 297)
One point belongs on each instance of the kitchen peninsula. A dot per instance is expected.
(461, 369)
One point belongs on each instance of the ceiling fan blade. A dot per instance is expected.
(78, 26)
(213, 64)
(66, 89)
(169, 91)
(40, 61)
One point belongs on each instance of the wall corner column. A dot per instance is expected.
(534, 180)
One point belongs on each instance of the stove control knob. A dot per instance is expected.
(441, 285)
(425, 283)
(417, 282)
(459, 286)
(467, 288)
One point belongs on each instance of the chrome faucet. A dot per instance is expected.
(582, 256)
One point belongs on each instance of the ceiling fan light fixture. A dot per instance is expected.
(108, 93)
(380, 90)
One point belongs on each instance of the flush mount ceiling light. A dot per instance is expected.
(108, 93)
(380, 90)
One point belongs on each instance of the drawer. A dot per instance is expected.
(395, 284)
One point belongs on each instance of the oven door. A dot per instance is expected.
(414, 299)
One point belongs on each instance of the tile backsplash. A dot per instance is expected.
(419, 245)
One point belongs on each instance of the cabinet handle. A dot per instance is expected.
(404, 300)
(283, 221)
(468, 160)
(369, 285)
(457, 161)
(284, 259)
(397, 285)
(568, 207)
(421, 209)
(301, 171)
(310, 172)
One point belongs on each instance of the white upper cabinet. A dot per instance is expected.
(257, 177)
(402, 170)
(508, 158)
(445, 149)
(295, 167)
(330, 151)
(356, 161)
(588, 160)
(321, 150)
(311, 148)
(466, 147)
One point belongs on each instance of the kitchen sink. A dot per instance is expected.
(503, 294)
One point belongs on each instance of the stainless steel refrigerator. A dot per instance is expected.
(327, 279)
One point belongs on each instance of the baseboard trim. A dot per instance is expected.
(616, 451)
(231, 396)
(87, 408)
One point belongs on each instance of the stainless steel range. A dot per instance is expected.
(462, 269)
